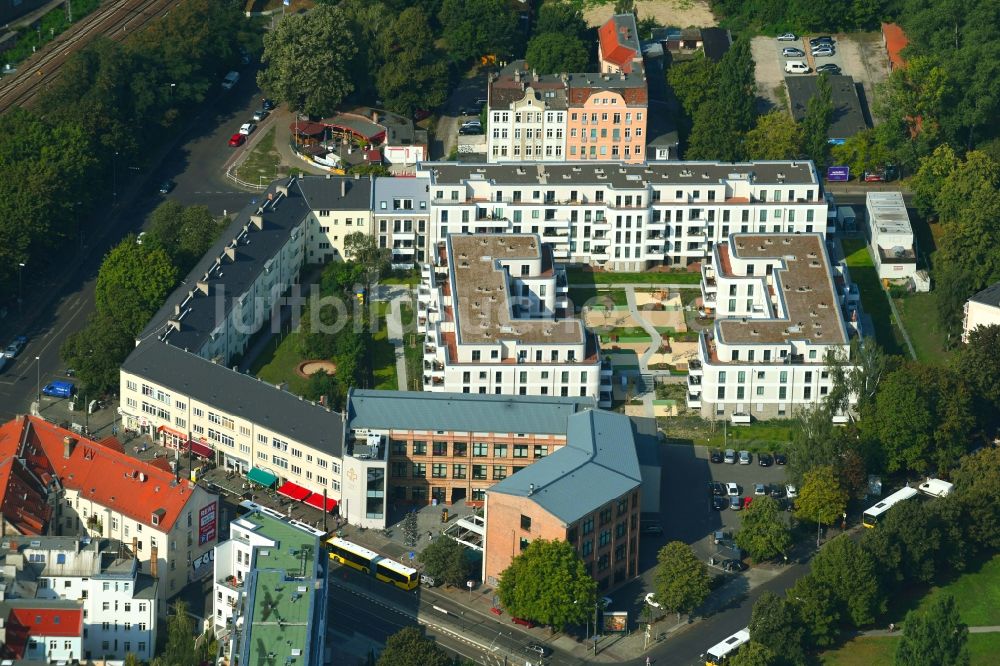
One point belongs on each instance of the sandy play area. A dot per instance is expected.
(677, 13)
(607, 319)
(673, 316)
(307, 368)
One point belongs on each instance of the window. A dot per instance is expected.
(458, 471)
(440, 448)
(419, 448)
(480, 449)
(439, 471)
(419, 470)
(586, 549)
(478, 495)
(605, 538)
(479, 472)
(499, 472)
(499, 450)
(398, 470)
(588, 526)
(520, 450)
(541, 451)
(525, 522)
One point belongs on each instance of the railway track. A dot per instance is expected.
(115, 19)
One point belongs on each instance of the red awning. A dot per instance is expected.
(200, 449)
(173, 432)
(294, 491)
(317, 501)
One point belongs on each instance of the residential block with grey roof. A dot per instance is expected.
(982, 309)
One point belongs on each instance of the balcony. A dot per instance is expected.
(694, 384)
(231, 582)
(695, 368)
(693, 401)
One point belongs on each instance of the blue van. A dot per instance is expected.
(59, 389)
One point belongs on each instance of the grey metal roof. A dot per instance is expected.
(598, 464)
(385, 189)
(988, 296)
(238, 394)
(464, 412)
(848, 118)
(336, 192)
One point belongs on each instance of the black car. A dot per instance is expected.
(825, 39)
(829, 68)
(716, 489)
(166, 186)
(267, 105)
(780, 459)
(470, 110)
(765, 460)
(539, 649)
(715, 456)
(470, 130)
(734, 565)
(719, 503)
(777, 491)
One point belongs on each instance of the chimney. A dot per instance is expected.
(375, 116)
(202, 286)
(230, 253)
(343, 188)
(135, 547)
(258, 221)
(282, 189)
(153, 564)
(68, 444)
(531, 489)
(177, 309)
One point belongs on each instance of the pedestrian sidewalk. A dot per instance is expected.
(655, 340)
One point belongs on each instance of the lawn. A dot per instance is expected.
(578, 276)
(977, 595)
(920, 318)
(983, 650)
(277, 363)
(873, 297)
(581, 295)
(262, 162)
(633, 333)
(756, 437)
(383, 353)
(408, 278)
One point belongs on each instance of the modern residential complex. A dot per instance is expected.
(983, 309)
(270, 592)
(100, 577)
(780, 309)
(893, 245)
(60, 483)
(493, 309)
(626, 217)
(401, 211)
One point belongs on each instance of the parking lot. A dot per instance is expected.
(859, 55)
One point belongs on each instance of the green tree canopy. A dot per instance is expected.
(816, 123)
(96, 352)
(906, 544)
(445, 561)
(693, 81)
(476, 28)
(681, 580)
(306, 60)
(413, 75)
(817, 608)
(753, 654)
(821, 498)
(549, 584)
(180, 637)
(775, 624)
(848, 571)
(133, 282)
(555, 53)
(978, 364)
(936, 636)
(555, 16)
(977, 489)
(775, 137)
(410, 647)
(763, 531)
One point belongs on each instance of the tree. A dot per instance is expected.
(821, 498)
(554, 53)
(816, 123)
(180, 637)
(713, 136)
(681, 580)
(693, 81)
(979, 366)
(974, 179)
(363, 249)
(763, 532)
(548, 583)
(776, 137)
(325, 389)
(922, 417)
(184, 233)
(935, 636)
(475, 28)
(906, 545)
(306, 60)
(775, 624)
(737, 86)
(849, 573)
(413, 75)
(133, 282)
(865, 151)
(815, 442)
(562, 18)
(96, 353)
(410, 647)
(929, 178)
(753, 654)
(977, 489)
(445, 561)
(132, 660)
(817, 609)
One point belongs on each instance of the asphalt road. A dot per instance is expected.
(195, 164)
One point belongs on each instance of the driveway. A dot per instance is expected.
(768, 63)
(465, 94)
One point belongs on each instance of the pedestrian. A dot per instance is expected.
(648, 661)
(892, 627)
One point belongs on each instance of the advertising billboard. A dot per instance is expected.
(838, 174)
(207, 519)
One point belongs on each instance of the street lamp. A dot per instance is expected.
(818, 512)
(114, 178)
(38, 379)
(20, 300)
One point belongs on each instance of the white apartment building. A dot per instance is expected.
(338, 207)
(493, 311)
(402, 219)
(527, 116)
(982, 309)
(40, 632)
(780, 310)
(626, 217)
(891, 236)
(118, 602)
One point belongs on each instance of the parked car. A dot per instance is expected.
(780, 459)
(166, 186)
(787, 37)
(822, 53)
(230, 80)
(465, 130)
(765, 460)
(260, 114)
(481, 102)
(796, 67)
(719, 503)
(759, 489)
(140, 238)
(791, 491)
(524, 622)
(747, 501)
(731, 456)
(734, 566)
(651, 600)
(539, 649)
(59, 389)
(715, 456)
(829, 68)
(745, 458)
(470, 111)
(777, 491)
(429, 581)
(790, 52)
(15, 347)
(247, 128)
(715, 488)
(267, 104)
(823, 39)
(237, 140)
(735, 503)
(732, 489)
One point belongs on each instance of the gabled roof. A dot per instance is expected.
(42, 619)
(598, 464)
(989, 296)
(619, 41)
(22, 497)
(100, 473)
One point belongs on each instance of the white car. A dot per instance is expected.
(791, 491)
(787, 37)
(651, 600)
(822, 53)
(796, 67)
(732, 489)
(759, 489)
(246, 129)
(745, 457)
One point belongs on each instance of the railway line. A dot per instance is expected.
(115, 19)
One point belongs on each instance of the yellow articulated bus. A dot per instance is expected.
(360, 558)
(717, 655)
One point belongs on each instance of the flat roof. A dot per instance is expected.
(240, 395)
(848, 117)
(386, 189)
(887, 213)
(598, 464)
(462, 412)
(622, 176)
(803, 281)
(479, 291)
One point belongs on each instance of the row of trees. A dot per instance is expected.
(560, 41)
(106, 111)
(851, 582)
(801, 15)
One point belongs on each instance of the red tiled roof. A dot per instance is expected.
(22, 623)
(895, 41)
(99, 471)
(612, 50)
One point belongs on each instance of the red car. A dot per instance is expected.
(523, 622)
(747, 501)
(237, 140)
(874, 177)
